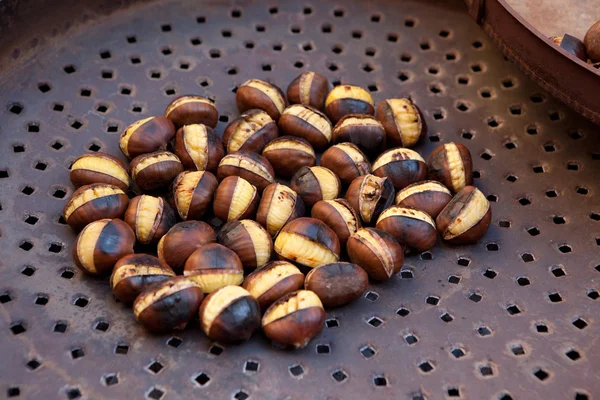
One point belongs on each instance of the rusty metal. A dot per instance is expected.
(515, 315)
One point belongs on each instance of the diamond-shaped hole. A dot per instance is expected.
(81, 301)
(17, 328)
(533, 231)
(523, 281)
(26, 245)
(426, 366)
(77, 353)
(458, 352)
(565, 248)
(411, 338)
(111, 379)
(580, 323)
(403, 312)
(513, 309)
(55, 247)
(155, 367)
(446, 317)
(202, 379)
(484, 331)
(156, 393)
(73, 393)
(15, 108)
(41, 299)
(432, 300)
(102, 326)
(475, 297)
(332, 323)
(527, 257)
(455, 279)
(517, 350)
(541, 374)
(463, 261)
(34, 364)
(339, 375)
(380, 380)
(296, 370)
(407, 274)
(555, 297)
(31, 219)
(367, 352)
(540, 327)
(375, 322)
(122, 349)
(490, 273)
(486, 370)
(174, 342)
(216, 350)
(60, 327)
(371, 296)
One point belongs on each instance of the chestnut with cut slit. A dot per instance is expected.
(287, 154)
(155, 171)
(307, 123)
(214, 266)
(339, 215)
(338, 283)
(135, 272)
(309, 88)
(316, 183)
(198, 147)
(182, 240)
(93, 202)
(150, 218)
(278, 206)
(191, 109)
(369, 195)
(410, 227)
(402, 121)
(452, 165)
(347, 161)
(428, 196)
(362, 130)
(235, 198)
(273, 281)
(466, 218)
(250, 241)
(377, 252)
(99, 168)
(250, 166)
(146, 136)
(193, 193)
(262, 95)
(401, 166)
(251, 131)
(348, 99)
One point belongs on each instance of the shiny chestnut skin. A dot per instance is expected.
(316, 183)
(135, 272)
(369, 195)
(250, 166)
(287, 154)
(255, 93)
(99, 168)
(182, 240)
(273, 281)
(348, 99)
(338, 283)
(363, 130)
(592, 42)
(466, 218)
(308, 88)
(347, 161)
(572, 45)
(452, 165)
(168, 305)
(214, 266)
(198, 147)
(410, 227)
(251, 131)
(401, 166)
(295, 319)
(92, 202)
(403, 123)
(377, 252)
(278, 206)
(250, 241)
(428, 196)
(308, 242)
(235, 198)
(146, 136)
(193, 193)
(101, 244)
(155, 171)
(307, 123)
(190, 109)
(339, 215)
(150, 218)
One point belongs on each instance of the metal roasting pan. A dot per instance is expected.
(514, 317)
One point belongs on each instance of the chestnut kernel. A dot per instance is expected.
(369, 195)
(294, 319)
(348, 99)
(308, 88)
(230, 314)
(150, 218)
(214, 266)
(250, 166)
(93, 202)
(363, 130)
(572, 45)
(452, 165)
(99, 168)
(278, 206)
(134, 273)
(338, 283)
(188, 110)
(316, 183)
(402, 121)
(347, 161)
(146, 136)
(255, 93)
(402, 167)
(308, 242)
(288, 154)
(182, 240)
(377, 252)
(251, 131)
(198, 147)
(156, 170)
(592, 42)
(250, 241)
(428, 196)
(466, 218)
(235, 198)
(168, 304)
(339, 215)
(307, 123)
(410, 227)
(193, 192)
(101, 244)
(273, 281)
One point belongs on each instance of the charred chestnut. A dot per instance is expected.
(347, 161)
(251, 131)
(198, 147)
(466, 218)
(93, 202)
(338, 283)
(402, 121)
(288, 154)
(188, 110)
(235, 198)
(572, 45)
(308, 88)
(428, 196)
(255, 93)
(377, 252)
(146, 136)
(250, 241)
(182, 240)
(278, 206)
(411, 227)
(99, 168)
(339, 215)
(214, 266)
(193, 192)
(273, 281)
(369, 195)
(363, 130)
(250, 166)
(401, 166)
(135, 272)
(307, 123)
(348, 99)
(451, 164)
(316, 183)
(155, 171)
(150, 218)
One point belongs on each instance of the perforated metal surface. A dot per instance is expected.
(515, 316)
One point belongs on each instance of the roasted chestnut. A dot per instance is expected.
(401, 166)
(155, 171)
(230, 314)
(466, 218)
(363, 130)
(377, 252)
(288, 154)
(339, 215)
(369, 195)
(294, 319)
(193, 192)
(198, 147)
(307, 123)
(99, 168)
(250, 166)
(273, 281)
(347, 161)
(451, 164)
(348, 99)
(428, 196)
(188, 110)
(150, 218)
(592, 42)
(146, 136)
(572, 45)
(235, 198)
(278, 206)
(101, 244)
(316, 183)
(410, 227)
(402, 121)
(250, 241)
(214, 266)
(168, 304)
(338, 283)
(255, 93)
(134, 273)
(251, 131)
(93, 202)
(182, 240)
(308, 88)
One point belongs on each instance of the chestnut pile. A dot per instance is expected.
(280, 256)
